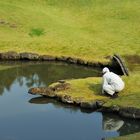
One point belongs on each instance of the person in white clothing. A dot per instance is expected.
(112, 83)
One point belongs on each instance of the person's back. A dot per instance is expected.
(114, 80)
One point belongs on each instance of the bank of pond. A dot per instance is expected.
(24, 116)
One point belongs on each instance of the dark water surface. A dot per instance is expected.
(27, 117)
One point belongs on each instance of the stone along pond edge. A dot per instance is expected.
(11, 55)
(115, 61)
(96, 105)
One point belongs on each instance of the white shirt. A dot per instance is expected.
(110, 78)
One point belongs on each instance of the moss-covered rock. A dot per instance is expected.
(87, 94)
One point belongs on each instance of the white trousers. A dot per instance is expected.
(109, 89)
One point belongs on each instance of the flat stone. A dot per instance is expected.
(62, 58)
(78, 100)
(42, 91)
(29, 56)
(67, 99)
(11, 55)
(72, 60)
(62, 81)
(47, 58)
(89, 105)
(113, 109)
(99, 104)
(130, 112)
(60, 86)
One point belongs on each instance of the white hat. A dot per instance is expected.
(105, 70)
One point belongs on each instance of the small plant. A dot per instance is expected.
(36, 32)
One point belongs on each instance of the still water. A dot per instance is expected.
(27, 117)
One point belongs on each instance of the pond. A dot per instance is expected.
(27, 117)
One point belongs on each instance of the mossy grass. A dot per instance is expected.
(135, 136)
(86, 90)
(91, 30)
(88, 29)
(89, 89)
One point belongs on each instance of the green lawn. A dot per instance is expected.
(89, 29)
(89, 89)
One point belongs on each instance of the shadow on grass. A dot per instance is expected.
(96, 88)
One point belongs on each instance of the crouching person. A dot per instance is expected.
(112, 83)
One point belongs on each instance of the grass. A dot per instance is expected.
(89, 89)
(130, 95)
(88, 29)
(128, 137)
(86, 90)
(36, 32)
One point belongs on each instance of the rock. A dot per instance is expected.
(78, 100)
(130, 112)
(43, 91)
(81, 62)
(99, 104)
(9, 56)
(61, 58)
(72, 60)
(60, 86)
(62, 81)
(113, 109)
(47, 58)
(89, 105)
(29, 56)
(67, 99)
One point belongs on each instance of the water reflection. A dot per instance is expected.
(39, 74)
(43, 118)
(109, 124)
(112, 124)
(122, 125)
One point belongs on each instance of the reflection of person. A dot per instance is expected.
(112, 83)
(111, 124)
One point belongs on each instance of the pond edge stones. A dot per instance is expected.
(62, 85)
(51, 92)
(12, 55)
(115, 61)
